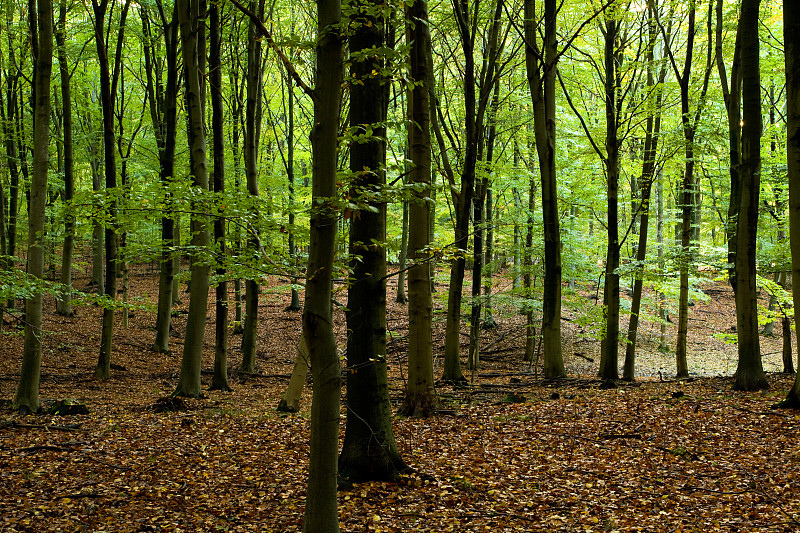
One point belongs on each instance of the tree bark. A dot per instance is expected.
(321, 515)
(64, 303)
(27, 396)
(420, 396)
(108, 91)
(369, 451)
(653, 130)
(541, 81)
(251, 142)
(219, 381)
(189, 21)
(162, 98)
(749, 372)
(791, 36)
(610, 342)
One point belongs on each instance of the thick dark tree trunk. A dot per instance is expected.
(541, 81)
(108, 91)
(609, 359)
(369, 451)
(749, 372)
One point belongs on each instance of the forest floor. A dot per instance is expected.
(655, 455)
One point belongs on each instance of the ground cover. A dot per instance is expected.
(657, 455)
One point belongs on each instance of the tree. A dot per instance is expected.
(475, 106)
(108, 91)
(162, 97)
(732, 96)
(252, 135)
(369, 451)
(321, 514)
(791, 36)
(420, 397)
(64, 303)
(27, 397)
(192, 51)
(220, 379)
(749, 372)
(541, 72)
(689, 189)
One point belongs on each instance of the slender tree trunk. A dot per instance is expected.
(163, 112)
(219, 381)
(321, 515)
(108, 90)
(648, 173)
(541, 80)
(295, 303)
(420, 397)
(749, 372)
(27, 397)
(401, 297)
(463, 202)
(251, 141)
(732, 96)
(64, 304)
(192, 50)
(610, 342)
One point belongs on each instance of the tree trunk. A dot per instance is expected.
(290, 402)
(64, 303)
(321, 504)
(27, 397)
(190, 25)
(732, 96)
(749, 372)
(401, 297)
(610, 342)
(463, 202)
(541, 80)
(108, 91)
(420, 397)
(251, 141)
(219, 381)
(295, 303)
(369, 451)
(653, 130)
(791, 36)
(163, 112)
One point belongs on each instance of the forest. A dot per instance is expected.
(369, 265)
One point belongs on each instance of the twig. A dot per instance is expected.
(15, 424)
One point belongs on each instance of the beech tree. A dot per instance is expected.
(192, 50)
(321, 511)
(420, 396)
(108, 91)
(750, 371)
(369, 451)
(791, 36)
(41, 24)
